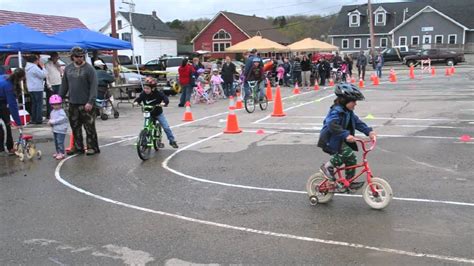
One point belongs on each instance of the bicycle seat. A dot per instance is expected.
(26, 137)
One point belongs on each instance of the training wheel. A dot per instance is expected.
(313, 200)
(22, 157)
(38, 154)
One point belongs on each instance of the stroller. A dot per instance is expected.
(201, 95)
(105, 105)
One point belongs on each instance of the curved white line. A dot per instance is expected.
(164, 164)
(251, 230)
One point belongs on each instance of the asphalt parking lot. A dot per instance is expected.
(240, 198)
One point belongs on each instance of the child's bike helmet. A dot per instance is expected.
(349, 92)
(55, 99)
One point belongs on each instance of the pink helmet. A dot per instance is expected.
(55, 99)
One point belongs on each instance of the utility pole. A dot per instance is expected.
(131, 9)
(114, 35)
(371, 28)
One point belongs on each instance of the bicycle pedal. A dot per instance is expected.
(161, 145)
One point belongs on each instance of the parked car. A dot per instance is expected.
(127, 75)
(436, 56)
(397, 53)
(123, 59)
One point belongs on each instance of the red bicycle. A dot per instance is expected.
(376, 192)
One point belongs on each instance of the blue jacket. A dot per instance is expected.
(338, 124)
(249, 63)
(7, 96)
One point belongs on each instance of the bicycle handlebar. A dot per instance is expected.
(363, 143)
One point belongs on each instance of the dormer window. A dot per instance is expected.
(354, 18)
(380, 16)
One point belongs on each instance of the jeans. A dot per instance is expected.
(379, 71)
(229, 89)
(5, 137)
(37, 106)
(260, 87)
(186, 92)
(49, 93)
(166, 127)
(55, 89)
(361, 72)
(59, 142)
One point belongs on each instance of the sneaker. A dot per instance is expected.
(180, 105)
(356, 185)
(91, 152)
(60, 156)
(74, 151)
(328, 172)
(55, 154)
(174, 144)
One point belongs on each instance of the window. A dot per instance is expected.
(439, 39)
(219, 47)
(354, 20)
(380, 19)
(357, 43)
(138, 59)
(119, 24)
(221, 35)
(415, 40)
(452, 38)
(383, 42)
(402, 40)
(126, 36)
(345, 43)
(369, 44)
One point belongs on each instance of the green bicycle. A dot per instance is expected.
(252, 99)
(150, 136)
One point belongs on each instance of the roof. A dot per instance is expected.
(259, 43)
(48, 24)
(150, 25)
(455, 9)
(251, 26)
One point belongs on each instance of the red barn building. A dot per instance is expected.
(227, 29)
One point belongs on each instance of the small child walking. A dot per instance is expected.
(59, 123)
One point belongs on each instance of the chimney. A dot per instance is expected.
(153, 13)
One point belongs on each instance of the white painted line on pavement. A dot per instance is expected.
(396, 118)
(166, 161)
(379, 126)
(255, 231)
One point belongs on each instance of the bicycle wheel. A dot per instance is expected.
(249, 104)
(312, 187)
(157, 139)
(384, 191)
(30, 150)
(263, 103)
(143, 149)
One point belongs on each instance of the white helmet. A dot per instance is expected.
(98, 63)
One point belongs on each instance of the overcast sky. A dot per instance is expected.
(96, 13)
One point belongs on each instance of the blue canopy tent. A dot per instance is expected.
(92, 40)
(16, 37)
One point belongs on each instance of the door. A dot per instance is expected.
(426, 42)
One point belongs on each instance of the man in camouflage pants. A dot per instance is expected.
(80, 80)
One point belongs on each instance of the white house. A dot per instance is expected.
(151, 37)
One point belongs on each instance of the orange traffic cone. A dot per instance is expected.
(231, 101)
(316, 86)
(448, 72)
(71, 143)
(353, 80)
(433, 71)
(331, 82)
(296, 90)
(188, 116)
(412, 72)
(278, 106)
(372, 77)
(232, 126)
(393, 76)
(269, 91)
(452, 70)
(376, 81)
(361, 83)
(239, 104)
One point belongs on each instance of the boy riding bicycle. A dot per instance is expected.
(255, 73)
(154, 97)
(337, 135)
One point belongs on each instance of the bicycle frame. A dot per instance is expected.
(148, 122)
(254, 88)
(364, 164)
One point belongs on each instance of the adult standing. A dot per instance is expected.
(297, 71)
(323, 68)
(379, 65)
(350, 63)
(35, 75)
(80, 81)
(9, 106)
(361, 64)
(287, 67)
(306, 71)
(228, 71)
(53, 77)
(185, 72)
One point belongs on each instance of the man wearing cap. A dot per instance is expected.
(80, 81)
(254, 72)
